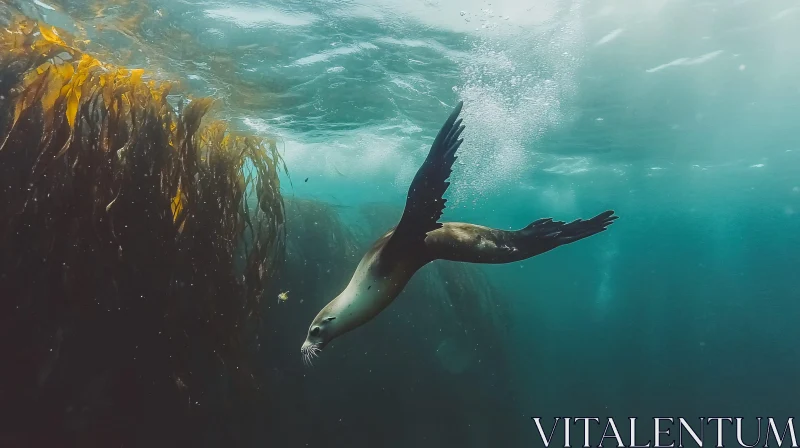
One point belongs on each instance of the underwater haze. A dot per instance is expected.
(681, 116)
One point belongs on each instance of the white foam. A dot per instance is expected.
(339, 51)
(429, 44)
(786, 12)
(373, 154)
(571, 165)
(407, 42)
(509, 105)
(257, 124)
(687, 61)
(250, 17)
(609, 37)
(43, 5)
(502, 15)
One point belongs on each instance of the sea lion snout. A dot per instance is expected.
(320, 333)
(310, 350)
(314, 339)
(308, 344)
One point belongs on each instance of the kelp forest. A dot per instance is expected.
(143, 245)
(135, 241)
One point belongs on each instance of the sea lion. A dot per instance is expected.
(420, 238)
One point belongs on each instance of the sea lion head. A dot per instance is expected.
(322, 330)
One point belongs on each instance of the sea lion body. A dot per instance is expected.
(420, 238)
(370, 290)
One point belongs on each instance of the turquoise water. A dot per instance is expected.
(680, 116)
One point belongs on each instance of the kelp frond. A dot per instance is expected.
(139, 234)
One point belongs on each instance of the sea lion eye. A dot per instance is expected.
(314, 331)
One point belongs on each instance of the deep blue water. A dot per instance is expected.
(682, 116)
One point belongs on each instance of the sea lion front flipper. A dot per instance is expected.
(424, 203)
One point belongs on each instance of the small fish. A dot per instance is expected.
(284, 296)
(306, 180)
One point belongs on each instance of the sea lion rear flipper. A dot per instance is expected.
(478, 244)
(547, 234)
(424, 203)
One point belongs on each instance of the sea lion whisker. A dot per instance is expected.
(309, 353)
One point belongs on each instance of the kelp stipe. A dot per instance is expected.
(135, 243)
